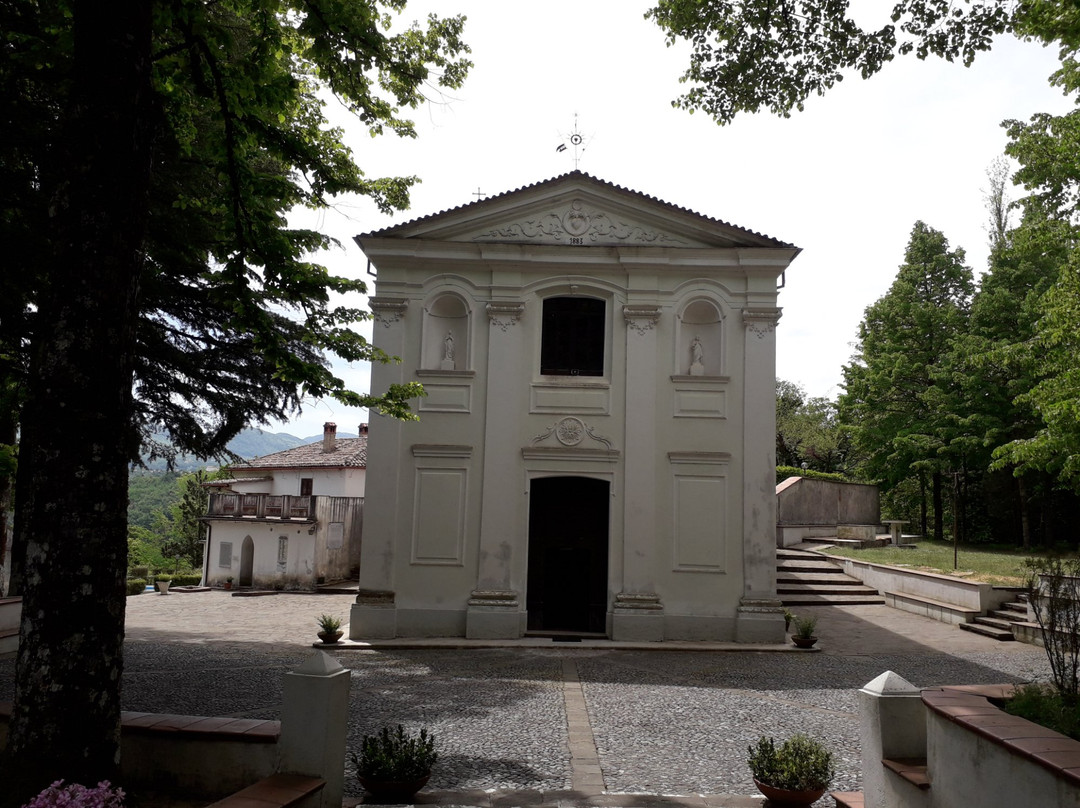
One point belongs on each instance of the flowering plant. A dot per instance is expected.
(78, 796)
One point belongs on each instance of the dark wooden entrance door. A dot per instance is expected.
(568, 554)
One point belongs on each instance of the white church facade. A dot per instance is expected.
(595, 452)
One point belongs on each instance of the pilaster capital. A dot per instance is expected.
(641, 318)
(760, 322)
(388, 310)
(505, 313)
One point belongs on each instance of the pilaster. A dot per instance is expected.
(494, 609)
(760, 614)
(637, 613)
(381, 518)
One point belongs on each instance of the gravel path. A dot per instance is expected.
(663, 722)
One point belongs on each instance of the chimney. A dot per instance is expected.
(363, 429)
(329, 436)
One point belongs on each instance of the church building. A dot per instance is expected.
(595, 452)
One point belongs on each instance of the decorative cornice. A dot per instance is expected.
(440, 450)
(505, 314)
(641, 318)
(388, 310)
(578, 225)
(705, 458)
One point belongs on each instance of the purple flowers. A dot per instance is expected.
(78, 796)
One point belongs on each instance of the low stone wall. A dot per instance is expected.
(971, 595)
(805, 507)
(949, 747)
(212, 757)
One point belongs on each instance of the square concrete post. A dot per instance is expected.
(892, 724)
(314, 721)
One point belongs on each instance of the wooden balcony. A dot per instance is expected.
(261, 506)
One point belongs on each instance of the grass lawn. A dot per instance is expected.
(989, 563)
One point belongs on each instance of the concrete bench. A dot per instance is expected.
(928, 607)
(275, 791)
(911, 769)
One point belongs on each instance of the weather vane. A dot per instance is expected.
(576, 140)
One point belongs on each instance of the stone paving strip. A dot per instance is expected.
(566, 726)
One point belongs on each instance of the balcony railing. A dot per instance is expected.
(261, 506)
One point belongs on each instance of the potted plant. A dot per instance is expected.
(162, 583)
(804, 632)
(329, 628)
(228, 583)
(795, 773)
(393, 766)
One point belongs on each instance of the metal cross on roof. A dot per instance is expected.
(577, 140)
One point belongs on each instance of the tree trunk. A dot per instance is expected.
(923, 528)
(1025, 514)
(77, 431)
(8, 429)
(939, 514)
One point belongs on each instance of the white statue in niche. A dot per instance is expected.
(448, 352)
(697, 355)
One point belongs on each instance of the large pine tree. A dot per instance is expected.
(897, 386)
(152, 153)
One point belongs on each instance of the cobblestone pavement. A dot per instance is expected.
(560, 725)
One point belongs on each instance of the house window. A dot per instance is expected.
(305, 486)
(225, 554)
(572, 343)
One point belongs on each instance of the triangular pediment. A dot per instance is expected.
(577, 209)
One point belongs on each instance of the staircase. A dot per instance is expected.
(998, 622)
(804, 579)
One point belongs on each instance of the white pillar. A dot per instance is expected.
(494, 609)
(373, 616)
(892, 724)
(760, 613)
(637, 613)
(314, 723)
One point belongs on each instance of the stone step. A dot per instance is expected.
(848, 799)
(987, 631)
(807, 565)
(1018, 606)
(831, 600)
(823, 578)
(844, 588)
(791, 552)
(1008, 615)
(995, 622)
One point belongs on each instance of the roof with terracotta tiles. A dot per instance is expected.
(399, 228)
(347, 453)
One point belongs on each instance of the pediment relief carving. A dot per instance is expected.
(579, 223)
(570, 432)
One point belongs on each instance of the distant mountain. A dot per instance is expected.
(248, 444)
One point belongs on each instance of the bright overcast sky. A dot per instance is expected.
(845, 180)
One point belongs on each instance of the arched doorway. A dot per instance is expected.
(568, 554)
(247, 561)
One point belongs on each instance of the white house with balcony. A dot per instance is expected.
(595, 453)
(289, 520)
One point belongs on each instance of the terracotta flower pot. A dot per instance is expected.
(393, 791)
(781, 796)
